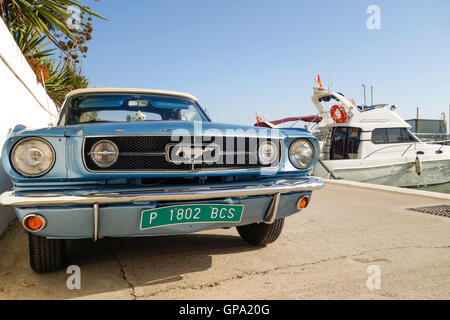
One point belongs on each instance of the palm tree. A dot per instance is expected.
(57, 78)
(34, 24)
(31, 43)
(60, 83)
(44, 16)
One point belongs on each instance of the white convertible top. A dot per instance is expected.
(128, 90)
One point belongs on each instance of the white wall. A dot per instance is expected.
(22, 101)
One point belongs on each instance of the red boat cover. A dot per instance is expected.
(315, 119)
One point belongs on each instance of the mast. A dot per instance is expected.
(371, 95)
(364, 91)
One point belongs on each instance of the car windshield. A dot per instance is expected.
(92, 108)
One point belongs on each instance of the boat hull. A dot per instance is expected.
(391, 174)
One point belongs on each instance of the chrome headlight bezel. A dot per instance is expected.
(294, 151)
(104, 165)
(275, 156)
(22, 171)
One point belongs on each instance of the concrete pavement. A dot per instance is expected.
(323, 253)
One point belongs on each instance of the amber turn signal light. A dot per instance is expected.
(302, 203)
(33, 222)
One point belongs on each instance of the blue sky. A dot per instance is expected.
(248, 56)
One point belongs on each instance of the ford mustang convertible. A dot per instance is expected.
(135, 162)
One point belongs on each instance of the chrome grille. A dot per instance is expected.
(149, 153)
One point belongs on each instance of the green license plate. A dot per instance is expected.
(190, 213)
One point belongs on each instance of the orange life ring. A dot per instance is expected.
(343, 115)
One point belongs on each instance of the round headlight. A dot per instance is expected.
(301, 153)
(267, 153)
(104, 153)
(32, 157)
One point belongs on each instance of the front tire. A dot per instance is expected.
(258, 234)
(46, 255)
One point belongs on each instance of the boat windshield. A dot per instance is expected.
(93, 108)
(345, 143)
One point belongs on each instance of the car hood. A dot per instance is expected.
(170, 127)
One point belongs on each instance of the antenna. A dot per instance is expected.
(329, 64)
(364, 91)
(371, 95)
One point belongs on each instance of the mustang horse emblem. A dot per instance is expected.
(191, 154)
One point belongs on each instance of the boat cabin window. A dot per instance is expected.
(345, 143)
(392, 135)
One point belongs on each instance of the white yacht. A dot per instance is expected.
(373, 144)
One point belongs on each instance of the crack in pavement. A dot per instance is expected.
(123, 273)
(263, 272)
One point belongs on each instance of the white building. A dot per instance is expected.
(22, 101)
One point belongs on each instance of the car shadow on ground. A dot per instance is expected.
(114, 264)
(156, 260)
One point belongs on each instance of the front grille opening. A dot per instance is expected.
(178, 181)
(439, 210)
(149, 153)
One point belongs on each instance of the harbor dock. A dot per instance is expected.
(329, 251)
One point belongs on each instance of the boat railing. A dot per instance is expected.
(406, 150)
(438, 138)
(446, 142)
(388, 147)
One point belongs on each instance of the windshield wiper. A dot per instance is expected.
(97, 121)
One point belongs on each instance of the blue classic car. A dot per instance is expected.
(132, 162)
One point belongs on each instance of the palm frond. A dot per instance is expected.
(63, 81)
(32, 44)
(42, 15)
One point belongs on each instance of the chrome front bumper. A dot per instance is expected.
(243, 189)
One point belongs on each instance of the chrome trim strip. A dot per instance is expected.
(163, 154)
(95, 207)
(143, 154)
(168, 194)
(273, 210)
